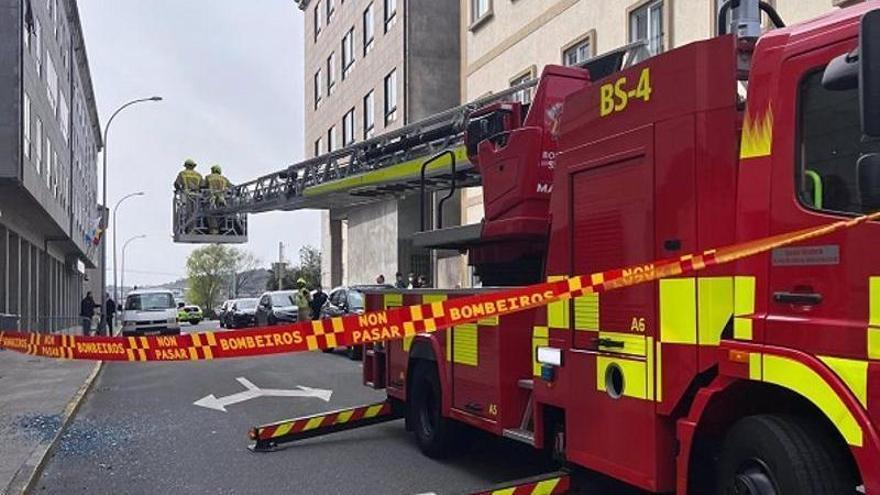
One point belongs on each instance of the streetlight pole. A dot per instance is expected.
(115, 252)
(124, 247)
(104, 206)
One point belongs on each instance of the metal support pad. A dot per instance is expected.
(268, 437)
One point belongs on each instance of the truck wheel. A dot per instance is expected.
(780, 455)
(434, 433)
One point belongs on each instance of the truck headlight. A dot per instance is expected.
(549, 355)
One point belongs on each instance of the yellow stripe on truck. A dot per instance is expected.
(678, 311)
(743, 306)
(799, 378)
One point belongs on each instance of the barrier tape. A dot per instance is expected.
(394, 323)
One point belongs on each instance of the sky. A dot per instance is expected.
(231, 75)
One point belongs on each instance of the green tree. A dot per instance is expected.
(210, 270)
(309, 268)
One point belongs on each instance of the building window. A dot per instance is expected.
(368, 29)
(347, 52)
(480, 9)
(523, 96)
(318, 145)
(319, 77)
(26, 124)
(348, 128)
(391, 97)
(578, 52)
(646, 24)
(38, 46)
(331, 74)
(38, 144)
(317, 19)
(51, 83)
(331, 139)
(48, 169)
(331, 9)
(369, 114)
(390, 13)
(63, 115)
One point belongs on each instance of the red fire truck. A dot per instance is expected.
(761, 377)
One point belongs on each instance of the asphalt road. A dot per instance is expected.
(139, 432)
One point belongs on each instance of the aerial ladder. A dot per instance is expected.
(424, 157)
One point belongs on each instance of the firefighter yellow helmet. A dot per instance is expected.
(189, 163)
(301, 281)
(216, 169)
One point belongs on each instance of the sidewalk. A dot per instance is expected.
(37, 397)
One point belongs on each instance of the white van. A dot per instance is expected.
(150, 312)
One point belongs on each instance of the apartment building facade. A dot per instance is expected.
(372, 66)
(49, 141)
(506, 42)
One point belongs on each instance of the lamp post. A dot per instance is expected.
(124, 247)
(104, 204)
(115, 253)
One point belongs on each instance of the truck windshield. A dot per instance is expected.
(830, 147)
(149, 302)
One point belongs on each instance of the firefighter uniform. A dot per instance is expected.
(188, 179)
(302, 299)
(217, 185)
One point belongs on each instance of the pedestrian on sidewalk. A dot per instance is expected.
(110, 311)
(399, 281)
(87, 312)
(380, 280)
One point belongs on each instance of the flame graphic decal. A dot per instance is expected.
(757, 135)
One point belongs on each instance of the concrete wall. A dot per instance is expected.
(372, 242)
(433, 57)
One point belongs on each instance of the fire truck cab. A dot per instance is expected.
(761, 377)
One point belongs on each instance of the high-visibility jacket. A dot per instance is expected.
(188, 180)
(216, 183)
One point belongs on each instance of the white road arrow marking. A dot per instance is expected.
(252, 392)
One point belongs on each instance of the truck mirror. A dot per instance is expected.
(861, 69)
(869, 181)
(869, 73)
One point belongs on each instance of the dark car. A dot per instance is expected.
(348, 301)
(240, 313)
(277, 307)
(221, 312)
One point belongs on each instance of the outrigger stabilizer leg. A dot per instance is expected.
(267, 437)
(556, 483)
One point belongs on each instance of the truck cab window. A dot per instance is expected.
(831, 147)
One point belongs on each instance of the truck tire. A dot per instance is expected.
(434, 433)
(781, 455)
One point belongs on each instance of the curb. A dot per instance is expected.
(29, 473)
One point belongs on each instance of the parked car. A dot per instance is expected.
(277, 307)
(191, 314)
(241, 313)
(150, 312)
(348, 300)
(221, 312)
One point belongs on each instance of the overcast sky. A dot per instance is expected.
(231, 74)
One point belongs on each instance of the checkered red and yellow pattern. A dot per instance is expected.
(391, 323)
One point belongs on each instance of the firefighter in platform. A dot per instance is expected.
(218, 188)
(188, 179)
(217, 185)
